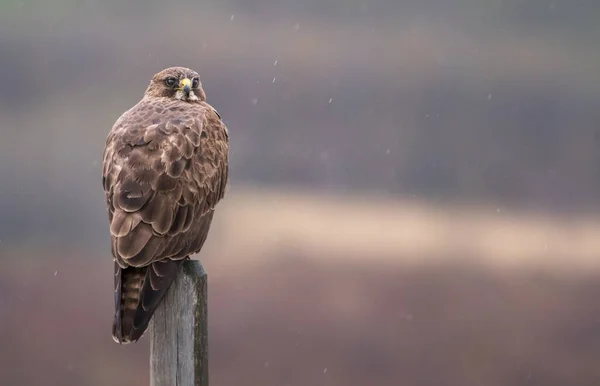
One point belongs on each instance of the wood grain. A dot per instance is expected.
(179, 341)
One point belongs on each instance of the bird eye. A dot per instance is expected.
(171, 82)
(195, 82)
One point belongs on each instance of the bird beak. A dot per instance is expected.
(185, 85)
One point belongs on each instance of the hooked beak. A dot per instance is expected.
(185, 85)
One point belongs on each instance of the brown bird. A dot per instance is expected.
(165, 169)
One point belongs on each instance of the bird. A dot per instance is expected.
(165, 168)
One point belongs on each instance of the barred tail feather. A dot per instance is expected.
(138, 292)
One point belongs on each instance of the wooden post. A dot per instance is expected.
(179, 341)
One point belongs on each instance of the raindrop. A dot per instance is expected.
(273, 80)
(254, 101)
(489, 96)
(387, 151)
(55, 273)
(231, 17)
(330, 100)
(275, 62)
(324, 370)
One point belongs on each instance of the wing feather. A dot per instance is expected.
(163, 174)
(134, 241)
(122, 223)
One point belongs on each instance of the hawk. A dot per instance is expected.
(165, 168)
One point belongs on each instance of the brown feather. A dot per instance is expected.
(147, 254)
(164, 183)
(180, 219)
(165, 218)
(123, 223)
(133, 242)
(189, 218)
(154, 208)
(131, 196)
(175, 168)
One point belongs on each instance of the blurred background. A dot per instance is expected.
(414, 194)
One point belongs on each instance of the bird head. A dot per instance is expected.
(178, 83)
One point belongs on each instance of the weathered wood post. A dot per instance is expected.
(179, 341)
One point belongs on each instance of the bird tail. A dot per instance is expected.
(138, 292)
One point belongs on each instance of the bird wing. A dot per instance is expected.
(165, 168)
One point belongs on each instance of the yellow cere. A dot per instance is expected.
(185, 82)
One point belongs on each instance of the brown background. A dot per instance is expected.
(414, 196)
